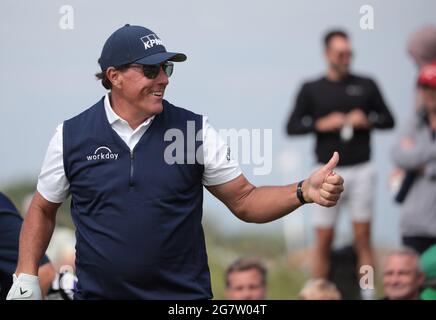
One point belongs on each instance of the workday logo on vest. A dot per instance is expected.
(102, 153)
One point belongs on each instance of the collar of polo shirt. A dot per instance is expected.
(113, 117)
(122, 127)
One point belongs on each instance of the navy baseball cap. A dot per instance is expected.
(135, 44)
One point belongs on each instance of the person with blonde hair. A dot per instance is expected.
(319, 289)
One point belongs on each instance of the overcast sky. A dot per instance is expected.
(246, 61)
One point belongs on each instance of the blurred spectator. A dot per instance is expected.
(422, 49)
(422, 46)
(343, 266)
(342, 108)
(10, 226)
(319, 289)
(428, 266)
(415, 152)
(402, 277)
(64, 285)
(246, 280)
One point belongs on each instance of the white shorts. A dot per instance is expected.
(358, 196)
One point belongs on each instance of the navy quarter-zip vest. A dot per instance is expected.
(137, 218)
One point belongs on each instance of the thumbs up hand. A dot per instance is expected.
(324, 186)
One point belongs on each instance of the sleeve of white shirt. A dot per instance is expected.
(219, 166)
(52, 184)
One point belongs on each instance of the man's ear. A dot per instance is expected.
(114, 76)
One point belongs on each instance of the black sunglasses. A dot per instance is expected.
(151, 71)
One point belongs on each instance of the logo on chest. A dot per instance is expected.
(354, 90)
(102, 153)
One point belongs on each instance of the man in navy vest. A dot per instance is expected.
(136, 194)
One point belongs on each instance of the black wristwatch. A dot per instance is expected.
(300, 192)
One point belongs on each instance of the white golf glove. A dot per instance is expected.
(25, 287)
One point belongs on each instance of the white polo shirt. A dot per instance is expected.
(53, 185)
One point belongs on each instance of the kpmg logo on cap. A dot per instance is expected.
(102, 153)
(151, 40)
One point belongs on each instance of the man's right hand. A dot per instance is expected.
(25, 287)
(324, 187)
(331, 123)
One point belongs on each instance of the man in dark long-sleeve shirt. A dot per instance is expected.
(324, 98)
(341, 109)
